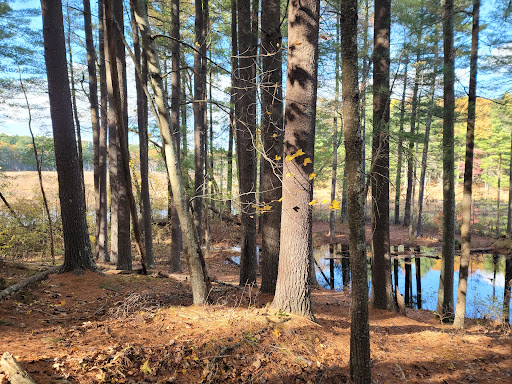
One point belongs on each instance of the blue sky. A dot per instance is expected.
(14, 117)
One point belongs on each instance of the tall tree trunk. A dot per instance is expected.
(142, 120)
(498, 199)
(77, 246)
(354, 142)
(293, 289)
(272, 131)
(426, 140)
(115, 86)
(507, 290)
(95, 122)
(73, 100)
(233, 92)
(332, 213)
(177, 241)
(102, 253)
(398, 179)
(246, 152)
(119, 215)
(445, 294)
(364, 84)
(199, 122)
(199, 279)
(382, 290)
(204, 109)
(465, 237)
(409, 197)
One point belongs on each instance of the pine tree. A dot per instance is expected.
(77, 246)
(293, 289)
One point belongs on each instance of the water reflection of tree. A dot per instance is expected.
(488, 263)
(426, 264)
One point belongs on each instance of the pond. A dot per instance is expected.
(486, 281)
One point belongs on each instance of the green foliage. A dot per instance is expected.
(32, 237)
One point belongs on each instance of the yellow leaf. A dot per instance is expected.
(267, 207)
(300, 152)
(197, 44)
(254, 206)
(145, 368)
(297, 42)
(335, 204)
(281, 199)
(278, 157)
(312, 176)
(60, 303)
(325, 201)
(268, 113)
(289, 174)
(313, 202)
(289, 158)
(307, 160)
(274, 136)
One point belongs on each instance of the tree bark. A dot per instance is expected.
(196, 265)
(398, 179)
(332, 213)
(233, 92)
(246, 133)
(354, 142)
(119, 215)
(102, 253)
(177, 242)
(73, 100)
(142, 121)
(465, 255)
(77, 246)
(199, 122)
(426, 141)
(115, 86)
(95, 117)
(293, 289)
(507, 290)
(445, 294)
(272, 131)
(382, 290)
(409, 197)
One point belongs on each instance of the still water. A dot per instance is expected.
(486, 281)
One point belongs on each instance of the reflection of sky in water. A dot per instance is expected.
(480, 301)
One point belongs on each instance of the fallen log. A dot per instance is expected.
(31, 280)
(15, 373)
(229, 260)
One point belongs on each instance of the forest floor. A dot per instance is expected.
(129, 328)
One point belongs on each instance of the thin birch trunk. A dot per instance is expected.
(196, 265)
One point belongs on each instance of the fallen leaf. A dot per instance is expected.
(145, 368)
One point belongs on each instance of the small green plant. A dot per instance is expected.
(109, 286)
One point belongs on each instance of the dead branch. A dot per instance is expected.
(31, 280)
(14, 371)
